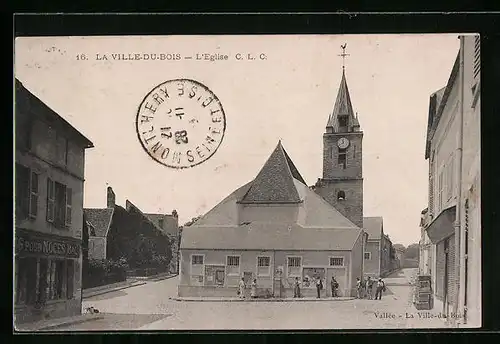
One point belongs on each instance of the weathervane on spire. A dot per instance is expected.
(343, 55)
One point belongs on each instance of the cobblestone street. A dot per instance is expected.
(148, 307)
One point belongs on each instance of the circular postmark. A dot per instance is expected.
(180, 123)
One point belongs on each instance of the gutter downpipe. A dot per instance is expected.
(458, 219)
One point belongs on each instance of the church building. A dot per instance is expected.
(273, 229)
(276, 229)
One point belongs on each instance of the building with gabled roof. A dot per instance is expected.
(49, 188)
(114, 230)
(380, 256)
(273, 229)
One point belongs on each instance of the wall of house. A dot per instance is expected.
(195, 286)
(385, 253)
(372, 265)
(171, 224)
(46, 170)
(357, 268)
(471, 186)
(444, 153)
(51, 154)
(97, 248)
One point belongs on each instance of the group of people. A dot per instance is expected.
(334, 285)
(242, 286)
(364, 288)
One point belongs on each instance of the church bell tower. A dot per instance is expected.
(342, 182)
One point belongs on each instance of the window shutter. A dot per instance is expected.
(68, 206)
(33, 203)
(477, 56)
(50, 200)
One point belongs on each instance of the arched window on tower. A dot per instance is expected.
(341, 195)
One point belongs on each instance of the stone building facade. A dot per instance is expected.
(453, 222)
(342, 182)
(49, 186)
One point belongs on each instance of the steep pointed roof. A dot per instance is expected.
(343, 106)
(275, 181)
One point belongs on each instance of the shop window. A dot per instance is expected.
(263, 266)
(368, 255)
(70, 273)
(233, 265)
(43, 280)
(197, 261)
(57, 279)
(336, 261)
(25, 277)
(294, 266)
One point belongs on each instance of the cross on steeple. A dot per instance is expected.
(343, 55)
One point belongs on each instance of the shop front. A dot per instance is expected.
(47, 276)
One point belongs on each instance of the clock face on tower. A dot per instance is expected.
(343, 143)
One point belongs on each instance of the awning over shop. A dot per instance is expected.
(442, 226)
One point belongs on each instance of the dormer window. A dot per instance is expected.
(343, 121)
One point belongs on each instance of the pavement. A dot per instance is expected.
(54, 324)
(96, 318)
(237, 299)
(152, 306)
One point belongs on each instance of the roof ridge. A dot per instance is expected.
(110, 220)
(274, 182)
(292, 167)
(143, 214)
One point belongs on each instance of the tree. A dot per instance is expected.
(412, 251)
(399, 247)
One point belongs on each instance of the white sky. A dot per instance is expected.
(289, 96)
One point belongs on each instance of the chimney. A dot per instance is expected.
(111, 198)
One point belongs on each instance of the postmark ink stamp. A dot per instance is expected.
(180, 123)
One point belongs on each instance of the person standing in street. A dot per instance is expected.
(253, 290)
(358, 288)
(369, 288)
(296, 288)
(319, 286)
(380, 289)
(241, 288)
(334, 285)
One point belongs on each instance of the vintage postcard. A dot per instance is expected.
(247, 182)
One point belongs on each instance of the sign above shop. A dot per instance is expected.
(48, 247)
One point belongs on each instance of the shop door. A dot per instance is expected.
(339, 274)
(42, 281)
(445, 279)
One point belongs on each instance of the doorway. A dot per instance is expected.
(446, 277)
(339, 274)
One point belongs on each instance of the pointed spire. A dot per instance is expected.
(275, 181)
(342, 107)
